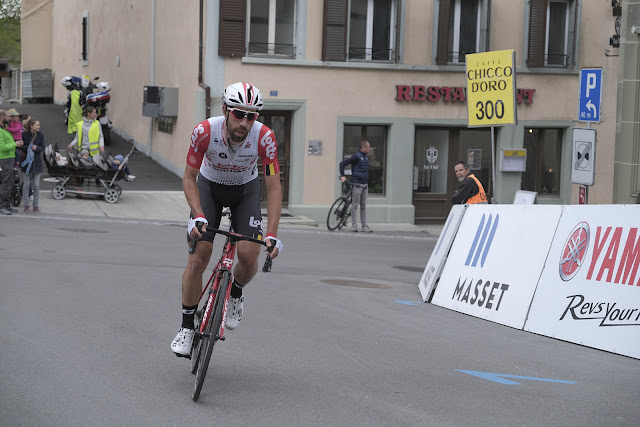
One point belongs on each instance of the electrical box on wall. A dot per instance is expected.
(160, 101)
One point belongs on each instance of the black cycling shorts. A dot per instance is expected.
(243, 200)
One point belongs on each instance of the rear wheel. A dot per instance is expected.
(337, 213)
(111, 195)
(210, 336)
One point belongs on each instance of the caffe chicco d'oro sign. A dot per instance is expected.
(491, 86)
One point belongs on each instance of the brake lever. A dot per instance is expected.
(194, 242)
(266, 268)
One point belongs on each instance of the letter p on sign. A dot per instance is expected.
(592, 79)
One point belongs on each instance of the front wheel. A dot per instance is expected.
(337, 213)
(210, 335)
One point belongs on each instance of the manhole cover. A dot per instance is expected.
(407, 268)
(83, 230)
(355, 284)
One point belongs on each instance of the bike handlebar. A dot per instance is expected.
(235, 237)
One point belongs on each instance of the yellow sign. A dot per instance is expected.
(491, 83)
(515, 153)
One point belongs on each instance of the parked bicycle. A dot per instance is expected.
(341, 209)
(210, 318)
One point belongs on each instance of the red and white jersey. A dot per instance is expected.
(210, 153)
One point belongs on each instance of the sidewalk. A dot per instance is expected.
(171, 206)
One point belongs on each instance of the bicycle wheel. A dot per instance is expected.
(345, 216)
(196, 346)
(208, 341)
(336, 213)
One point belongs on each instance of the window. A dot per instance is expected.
(272, 27)
(463, 28)
(552, 37)
(361, 30)
(377, 137)
(85, 38)
(371, 23)
(543, 160)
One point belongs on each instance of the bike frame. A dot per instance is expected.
(225, 263)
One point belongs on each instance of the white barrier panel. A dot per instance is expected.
(496, 260)
(439, 255)
(589, 292)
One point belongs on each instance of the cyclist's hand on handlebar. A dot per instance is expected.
(197, 226)
(277, 245)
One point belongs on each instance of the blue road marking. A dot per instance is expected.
(501, 378)
(410, 302)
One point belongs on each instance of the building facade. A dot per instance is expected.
(335, 72)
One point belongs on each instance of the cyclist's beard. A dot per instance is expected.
(232, 133)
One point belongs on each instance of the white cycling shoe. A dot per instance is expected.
(235, 313)
(181, 344)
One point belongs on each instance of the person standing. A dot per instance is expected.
(89, 133)
(7, 161)
(470, 189)
(359, 162)
(31, 167)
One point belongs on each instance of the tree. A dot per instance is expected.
(10, 31)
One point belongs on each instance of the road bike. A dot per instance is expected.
(210, 318)
(341, 209)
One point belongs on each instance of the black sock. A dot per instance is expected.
(236, 289)
(187, 315)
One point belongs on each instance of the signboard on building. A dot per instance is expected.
(491, 88)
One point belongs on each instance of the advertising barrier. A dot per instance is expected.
(589, 291)
(439, 255)
(496, 260)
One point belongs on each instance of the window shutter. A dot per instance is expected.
(334, 43)
(231, 35)
(396, 56)
(537, 32)
(572, 62)
(442, 56)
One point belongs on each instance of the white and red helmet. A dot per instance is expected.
(243, 95)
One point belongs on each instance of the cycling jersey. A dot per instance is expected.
(210, 153)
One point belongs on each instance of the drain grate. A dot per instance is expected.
(407, 268)
(355, 284)
(83, 230)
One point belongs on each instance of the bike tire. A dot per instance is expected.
(212, 329)
(336, 213)
(345, 216)
(197, 342)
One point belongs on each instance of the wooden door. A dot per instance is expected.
(280, 123)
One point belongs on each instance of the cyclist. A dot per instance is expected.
(221, 171)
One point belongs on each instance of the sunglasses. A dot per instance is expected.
(239, 114)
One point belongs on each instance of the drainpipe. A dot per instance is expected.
(207, 90)
(152, 70)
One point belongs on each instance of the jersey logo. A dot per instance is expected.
(254, 222)
(223, 155)
(198, 130)
(269, 144)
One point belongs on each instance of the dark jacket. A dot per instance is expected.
(36, 167)
(466, 189)
(359, 168)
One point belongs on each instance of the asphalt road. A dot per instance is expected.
(335, 335)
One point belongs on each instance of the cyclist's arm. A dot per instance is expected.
(191, 193)
(274, 206)
(344, 163)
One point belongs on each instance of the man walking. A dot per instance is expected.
(7, 161)
(469, 190)
(360, 178)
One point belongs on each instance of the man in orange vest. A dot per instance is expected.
(469, 190)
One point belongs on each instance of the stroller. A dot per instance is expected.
(76, 178)
(16, 194)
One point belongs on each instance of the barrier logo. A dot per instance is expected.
(482, 241)
(574, 251)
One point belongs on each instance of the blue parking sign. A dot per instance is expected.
(590, 95)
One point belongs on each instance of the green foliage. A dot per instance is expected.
(10, 31)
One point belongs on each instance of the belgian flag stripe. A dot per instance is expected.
(270, 170)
